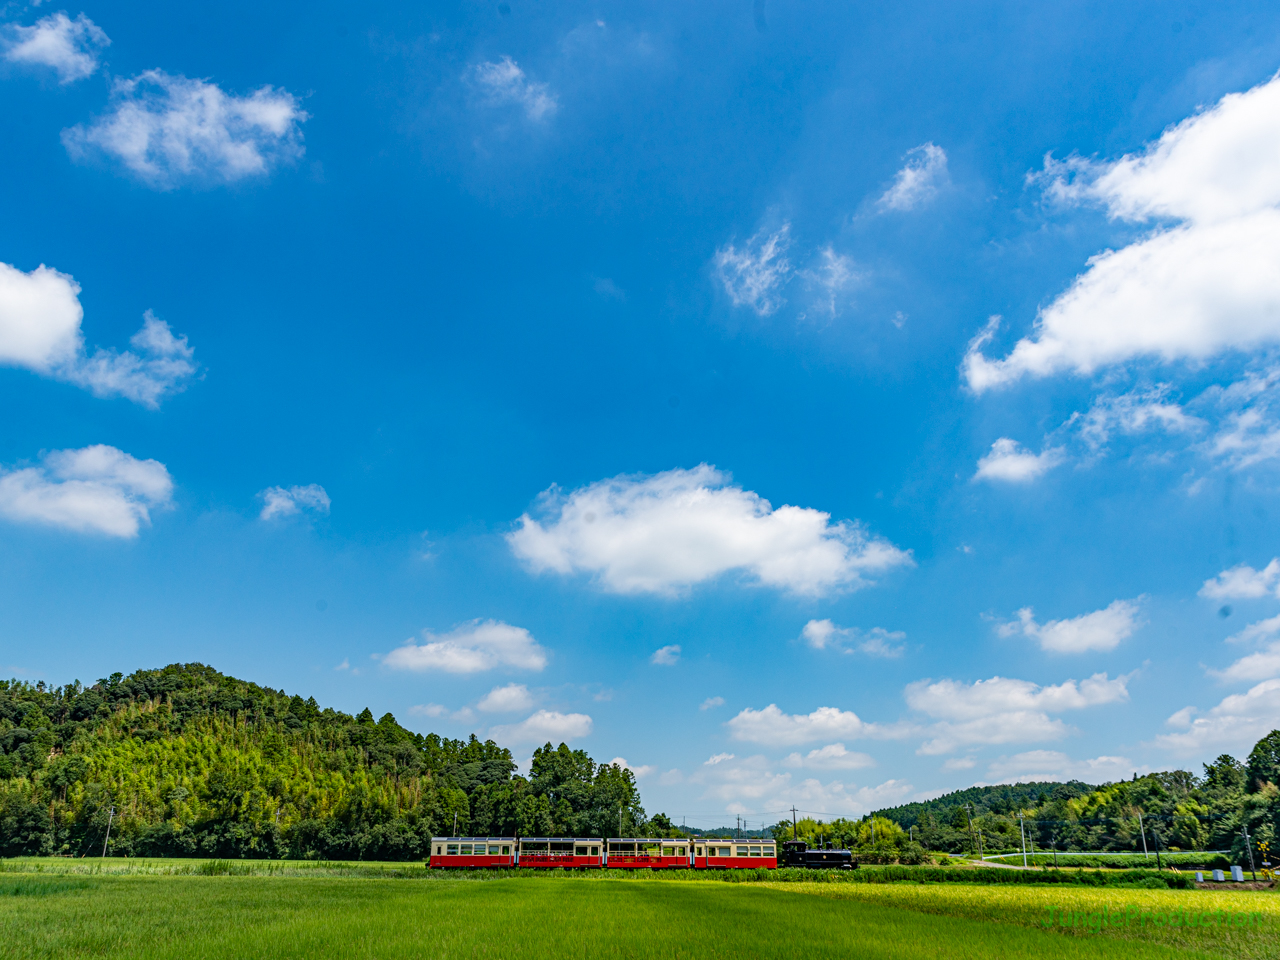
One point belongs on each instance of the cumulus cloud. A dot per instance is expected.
(1244, 583)
(833, 756)
(751, 785)
(1035, 765)
(545, 726)
(433, 710)
(1263, 664)
(754, 276)
(711, 702)
(641, 771)
(40, 317)
(1201, 287)
(513, 698)
(772, 727)
(96, 489)
(471, 648)
(503, 83)
(1135, 412)
(666, 532)
(70, 47)
(876, 642)
(171, 130)
(1233, 726)
(1005, 710)
(1100, 630)
(1008, 462)
(667, 656)
(287, 501)
(924, 172)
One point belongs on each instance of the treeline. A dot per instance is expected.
(1173, 810)
(184, 761)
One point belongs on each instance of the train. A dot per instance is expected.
(630, 853)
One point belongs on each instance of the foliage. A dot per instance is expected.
(1179, 811)
(185, 761)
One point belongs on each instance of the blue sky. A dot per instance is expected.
(826, 407)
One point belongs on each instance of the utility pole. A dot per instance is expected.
(737, 827)
(1248, 846)
(1054, 837)
(110, 815)
(795, 826)
(619, 821)
(973, 842)
(455, 823)
(1142, 830)
(1156, 838)
(1023, 830)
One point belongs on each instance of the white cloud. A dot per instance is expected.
(1233, 726)
(1100, 630)
(718, 758)
(1262, 630)
(1200, 288)
(711, 702)
(505, 84)
(1007, 461)
(96, 489)
(666, 656)
(640, 771)
(666, 532)
(1243, 582)
(1004, 710)
(1262, 665)
(772, 727)
(427, 709)
(543, 727)
(40, 317)
(1133, 413)
(754, 275)
(750, 785)
(513, 698)
(833, 756)
(1052, 765)
(287, 501)
(172, 130)
(919, 179)
(70, 47)
(876, 642)
(960, 763)
(471, 648)
(833, 275)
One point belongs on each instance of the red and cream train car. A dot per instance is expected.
(473, 852)
(560, 852)
(639, 852)
(712, 854)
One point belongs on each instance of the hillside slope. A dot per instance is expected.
(195, 763)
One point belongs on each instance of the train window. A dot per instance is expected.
(595, 851)
(769, 851)
(466, 849)
(562, 847)
(579, 851)
(680, 852)
(506, 850)
(742, 851)
(439, 850)
(622, 848)
(697, 851)
(534, 848)
(453, 850)
(725, 852)
(755, 851)
(493, 849)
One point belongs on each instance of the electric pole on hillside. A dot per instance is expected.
(1023, 830)
(973, 840)
(1244, 830)
(1143, 830)
(110, 815)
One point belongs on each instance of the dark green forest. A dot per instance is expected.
(1171, 811)
(186, 762)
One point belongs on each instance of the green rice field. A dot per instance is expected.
(207, 909)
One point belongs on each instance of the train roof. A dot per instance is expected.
(473, 839)
(563, 839)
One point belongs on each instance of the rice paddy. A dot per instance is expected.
(51, 909)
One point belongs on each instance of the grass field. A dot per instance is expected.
(322, 912)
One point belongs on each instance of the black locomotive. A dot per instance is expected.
(796, 853)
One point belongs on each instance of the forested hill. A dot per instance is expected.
(1000, 799)
(196, 763)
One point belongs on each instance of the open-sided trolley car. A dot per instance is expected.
(640, 852)
(560, 852)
